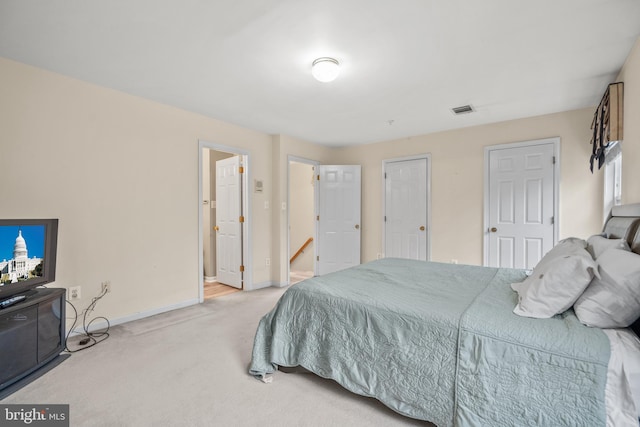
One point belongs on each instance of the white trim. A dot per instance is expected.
(427, 157)
(315, 164)
(94, 326)
(246, 212)
(269, 284)
(556, 187)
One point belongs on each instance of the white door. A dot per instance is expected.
(405, 214)
(339, 218)
(521, 185)
(228, 221)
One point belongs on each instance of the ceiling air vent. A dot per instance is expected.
(463, 109)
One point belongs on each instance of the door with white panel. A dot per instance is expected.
(339, 190)
(521, 204)
(229, 221)
(405, 206)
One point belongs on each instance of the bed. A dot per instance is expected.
(443, 343)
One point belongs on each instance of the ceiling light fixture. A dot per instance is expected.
(325, 69)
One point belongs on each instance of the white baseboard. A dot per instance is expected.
(210, 279)
(137, 316)
(141, 315)
(261, 285)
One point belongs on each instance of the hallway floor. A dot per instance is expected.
(215, 289)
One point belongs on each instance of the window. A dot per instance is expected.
(612, 177)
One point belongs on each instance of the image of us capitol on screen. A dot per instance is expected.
(16, 265)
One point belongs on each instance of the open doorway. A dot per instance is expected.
(223, 220)
(302, 219)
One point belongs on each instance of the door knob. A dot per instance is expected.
(216, 228)
(357, 226)
(422, 228)
(493, 229)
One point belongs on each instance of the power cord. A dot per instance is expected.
(91, 338)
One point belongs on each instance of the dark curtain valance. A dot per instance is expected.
(607, 123)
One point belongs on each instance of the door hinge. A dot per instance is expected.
(241, 169)
(318, 258)
(318, 218)
(385, 175)
(242, 268)
(318, 177)
(385, 218)
(554, 160)
(241, 219)
(553, 220)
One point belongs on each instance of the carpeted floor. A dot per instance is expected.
(189, 368)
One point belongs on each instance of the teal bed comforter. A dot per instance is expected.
(438, 342)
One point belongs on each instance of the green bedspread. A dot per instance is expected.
(438, 342)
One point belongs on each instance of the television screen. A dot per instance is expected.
(27, 254)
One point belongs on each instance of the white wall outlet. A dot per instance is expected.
(454, 261)
(267, 261)
(74, 293)
(379, 256)
(106, 287)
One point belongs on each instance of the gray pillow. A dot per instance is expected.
(557, 281)
(613, 299)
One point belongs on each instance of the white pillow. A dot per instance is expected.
(618, 397)
(598, 244)
(630, 348)
(613, 300)
(568, 246)
(557, 281)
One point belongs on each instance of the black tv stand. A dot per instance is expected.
(32, 333)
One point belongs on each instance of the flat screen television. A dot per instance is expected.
(27, 254)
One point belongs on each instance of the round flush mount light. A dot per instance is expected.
(325, 69)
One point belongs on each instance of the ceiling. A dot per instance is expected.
(404, 63)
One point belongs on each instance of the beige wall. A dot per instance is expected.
(457, 160)
(301, 214)
(80, 152)
(121, 174)
(208, 215)
(630, 75)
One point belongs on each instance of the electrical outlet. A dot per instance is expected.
(379, 256)
(267, 261)
(454, 261)
(106, 287)
(74, 292)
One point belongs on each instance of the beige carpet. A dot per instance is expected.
(189, 368)
(299, 276)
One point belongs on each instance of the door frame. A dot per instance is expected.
(556, 186)
(427, 157)
(247, 277)
(315, 164)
